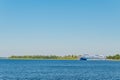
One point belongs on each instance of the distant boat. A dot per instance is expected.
(90, 57)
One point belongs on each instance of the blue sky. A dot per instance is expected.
(59, 27)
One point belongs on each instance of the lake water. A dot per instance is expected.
(59, 70)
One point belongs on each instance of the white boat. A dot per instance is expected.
(90, 57)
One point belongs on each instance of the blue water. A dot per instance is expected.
(59, 70)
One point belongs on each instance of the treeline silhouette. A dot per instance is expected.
(116, 57)
(52, 57)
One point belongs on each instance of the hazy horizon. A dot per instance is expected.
(59, 27)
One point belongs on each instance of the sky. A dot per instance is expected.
(59, 27)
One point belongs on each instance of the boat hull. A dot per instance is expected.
(83, 59)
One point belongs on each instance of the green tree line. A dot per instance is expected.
(114, 57)
(53, 57)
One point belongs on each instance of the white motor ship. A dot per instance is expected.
(92, 57)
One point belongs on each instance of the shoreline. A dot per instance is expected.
(59, 59)
(36, 59)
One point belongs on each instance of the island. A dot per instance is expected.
(55, 57)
